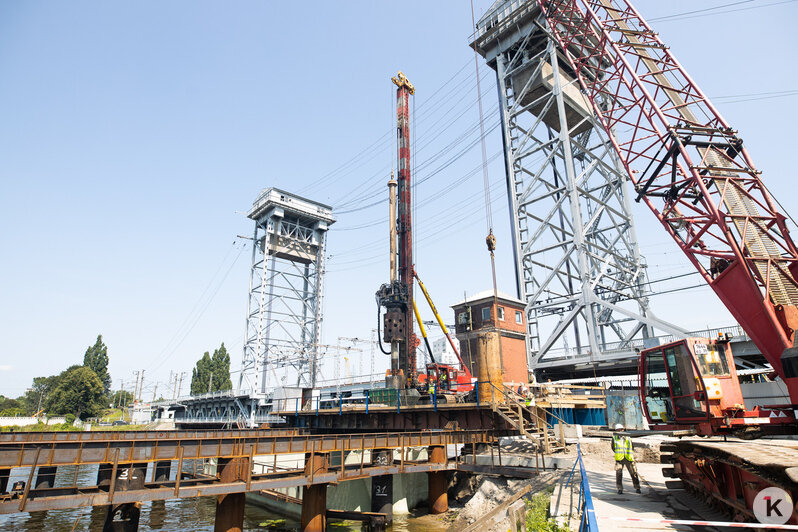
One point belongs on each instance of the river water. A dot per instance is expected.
(178, 515)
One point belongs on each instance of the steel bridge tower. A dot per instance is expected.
(284, 308)
(577, 261)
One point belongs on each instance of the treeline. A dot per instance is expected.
(84, 390)
(80, 390)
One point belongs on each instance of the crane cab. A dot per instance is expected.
(447, 378)
(689, 382)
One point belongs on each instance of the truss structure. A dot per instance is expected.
(688, 166)
(578, 265)
(284, 308)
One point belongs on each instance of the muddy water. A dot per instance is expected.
(179, 515)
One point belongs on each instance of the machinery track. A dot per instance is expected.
(729, 474)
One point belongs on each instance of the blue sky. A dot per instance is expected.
(135, 135)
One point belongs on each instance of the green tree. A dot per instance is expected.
(79, 391)
(96, 359)
(36, 396)
(11, 407)
(212, 373)
(220, 361)
(120, 398)
(201, 375)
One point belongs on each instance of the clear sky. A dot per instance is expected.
(134, 136)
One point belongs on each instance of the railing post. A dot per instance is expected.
(318, 400)
(367, 402)
(296, 406)
(435, 396)
(477, 389)
(340, 405)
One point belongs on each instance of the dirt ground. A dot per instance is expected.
(474, 496)
(646, 449)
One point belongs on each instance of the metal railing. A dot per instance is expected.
(585, 505)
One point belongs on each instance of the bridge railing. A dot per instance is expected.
(585, 505)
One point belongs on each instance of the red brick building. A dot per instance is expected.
(477, 314)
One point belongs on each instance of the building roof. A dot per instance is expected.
(488, 294)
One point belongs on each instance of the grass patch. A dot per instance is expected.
(41, 427)
(537, 513)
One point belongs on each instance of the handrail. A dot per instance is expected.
(588, 521)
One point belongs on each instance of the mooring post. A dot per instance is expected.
(230, 507)
(314, 496)
(436, 481)
(382, 485)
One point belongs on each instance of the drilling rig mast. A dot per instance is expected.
(397, 296)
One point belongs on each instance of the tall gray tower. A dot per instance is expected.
(285, 291)
(577, 262)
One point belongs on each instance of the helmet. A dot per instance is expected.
(618, 426)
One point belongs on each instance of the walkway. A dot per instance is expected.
(655, 501)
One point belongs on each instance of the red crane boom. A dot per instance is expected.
(688, 165)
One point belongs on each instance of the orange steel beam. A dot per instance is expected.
(161, 447)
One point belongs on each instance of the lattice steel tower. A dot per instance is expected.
(285, 291)
(577, 262)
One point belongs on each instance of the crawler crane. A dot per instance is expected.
(694, 172)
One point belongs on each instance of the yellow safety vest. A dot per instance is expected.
(622, 445)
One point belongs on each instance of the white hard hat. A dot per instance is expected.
(618, 426)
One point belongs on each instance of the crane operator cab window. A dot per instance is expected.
(711, 362)
(681, 396)
(687, 389)
(658, 402)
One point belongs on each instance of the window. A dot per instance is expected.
(486, 314)
(519, 318)
(501, 313)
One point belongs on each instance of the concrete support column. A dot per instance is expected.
(131, 477)
(314, 497)
(123, 518)
(382, 486)
(45, 477)
(163, 471)
(437, 481)
(230, 507)
(4, 474)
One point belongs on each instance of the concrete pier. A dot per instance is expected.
(382, 486)
(123, 518)
(314, 497)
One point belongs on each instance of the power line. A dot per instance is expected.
(700, 13)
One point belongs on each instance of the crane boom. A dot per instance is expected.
(688, 166)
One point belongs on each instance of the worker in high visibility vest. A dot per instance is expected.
(622, 447)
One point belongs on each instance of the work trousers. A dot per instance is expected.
(631, 467)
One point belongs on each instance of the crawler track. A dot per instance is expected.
(729, 474)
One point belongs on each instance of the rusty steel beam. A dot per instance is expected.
(123, 452)
(39, 500)
(139, 435)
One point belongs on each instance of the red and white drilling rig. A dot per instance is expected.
(397, 295)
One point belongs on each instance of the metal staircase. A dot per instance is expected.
(529, 421)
